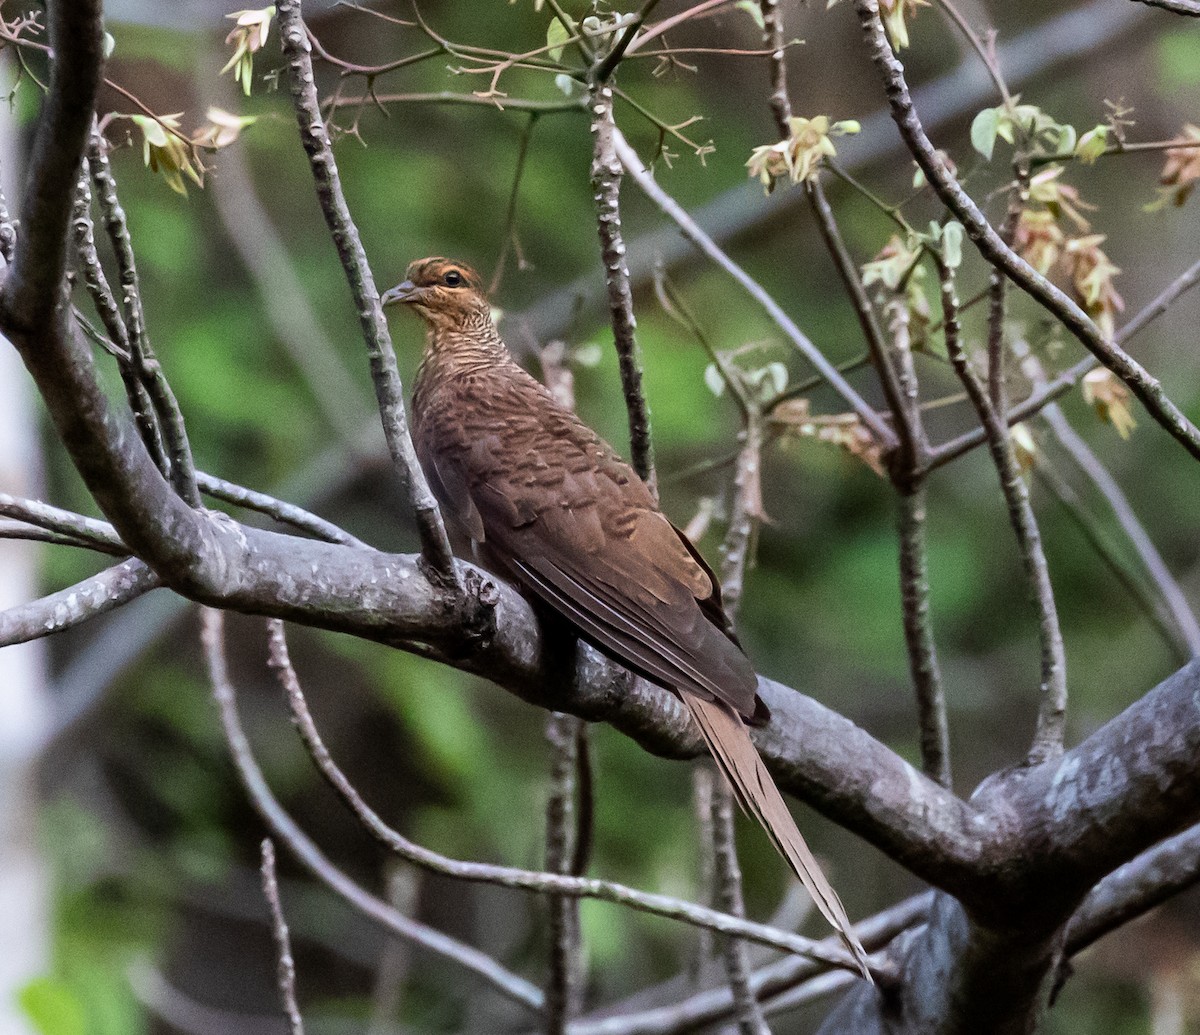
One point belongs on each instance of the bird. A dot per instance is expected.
(552, 506)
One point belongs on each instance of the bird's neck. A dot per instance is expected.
(453, 351)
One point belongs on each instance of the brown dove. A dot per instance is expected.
(555, 508)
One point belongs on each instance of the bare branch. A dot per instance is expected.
(692, 231)
(285, 513)
(99, 535)
(287, 965)
(76, 604)
(713, 1005)
(510, 877)
(310, 856)
(728, 885)
(993, 249)
(606, 183)
(389, 392)
(918, 635)
(1144, 882)
(288, 308)
(1052, 709)
(1068, 379)
(1183, 617)
(35, 284)
(564, 990)
(142, 359)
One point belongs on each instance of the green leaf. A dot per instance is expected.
(776, 377)
(556, 38)
(755, 12)
(952, 238)
(984, 128)
(53, 1007)
(151, 129)
(714, 379)
(1092, 144)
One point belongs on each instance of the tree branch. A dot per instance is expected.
(110, 589)
(435, 546)
(692, 231)
(310, 856)
(993, 249)
(1052, 707)
(606, 183)
(34, 287)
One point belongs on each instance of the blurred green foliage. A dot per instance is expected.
(153, 845)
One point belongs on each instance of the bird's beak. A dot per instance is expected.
(406, 292)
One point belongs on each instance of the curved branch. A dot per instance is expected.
(34, 286)
(548, 882)
(1137, 887)
(314, 860)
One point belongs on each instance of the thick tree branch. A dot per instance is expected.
(34, 287)
(1141, 884)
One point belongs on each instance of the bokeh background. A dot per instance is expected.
(131, 885)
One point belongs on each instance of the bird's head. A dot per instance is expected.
(447, 294)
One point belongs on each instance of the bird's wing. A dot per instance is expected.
(622, 574)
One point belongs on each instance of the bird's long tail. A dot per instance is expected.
(729, 741)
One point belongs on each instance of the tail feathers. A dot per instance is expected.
(729, 741)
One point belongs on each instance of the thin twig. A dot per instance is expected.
(1087, 523)
(288, 306)
(435, 546)
(511, 241)
(145, 363)
(281, 511)
(1182, 619)
(286, 830)
(993, 249)
(986, 54)
(1182, 615)
(511, 877)
(1052, 708)
(918, 635)
(613, 57)
(729, 897)
(99, 535)
(910, 451)
(1068, 379)
(606, 183)
(105, 302)
(997, 298)
(713, 1005)
(286, 975)
(692, 231)
(564, 989)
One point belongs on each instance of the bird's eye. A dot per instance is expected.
(452, 278)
